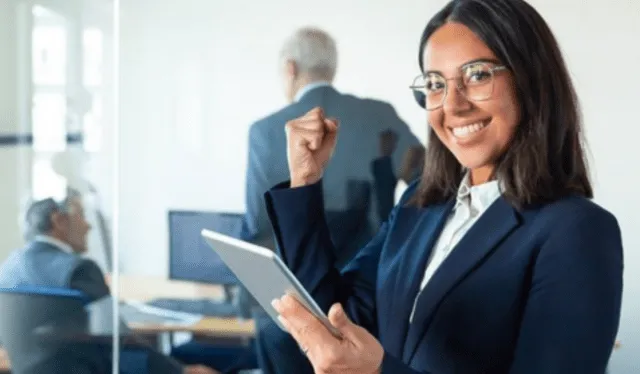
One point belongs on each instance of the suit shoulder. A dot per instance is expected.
(379, 105)
(410, 192)
(46, 252)
(578, 211)
(276, 119)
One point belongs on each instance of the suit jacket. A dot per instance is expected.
(361, 121)
(528, 291)
(42, 264)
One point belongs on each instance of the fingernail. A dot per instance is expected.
(284, 322)
(275, 303)
(338, 312)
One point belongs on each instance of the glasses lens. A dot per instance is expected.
(477, 81)
(435, 89)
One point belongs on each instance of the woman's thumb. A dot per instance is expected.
(338, 317)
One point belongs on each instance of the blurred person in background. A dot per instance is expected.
(56, 234)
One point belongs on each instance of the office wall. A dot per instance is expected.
(9, 153)
(196, 73)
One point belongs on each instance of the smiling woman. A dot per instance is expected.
(497, 261)
(512, 112)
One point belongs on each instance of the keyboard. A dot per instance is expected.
(204, 307)
(141, 313)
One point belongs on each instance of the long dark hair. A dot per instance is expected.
(545, 160)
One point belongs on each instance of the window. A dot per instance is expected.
(49, 55)
(49, 113)
(92, 43)
(56, 105)
(49, 102)
(92, 77)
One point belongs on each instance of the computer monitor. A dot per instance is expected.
(190, 258)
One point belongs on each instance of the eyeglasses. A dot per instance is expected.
(475, 82)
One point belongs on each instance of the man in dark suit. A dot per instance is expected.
(56, 234)
(309, 64)
(309, 60)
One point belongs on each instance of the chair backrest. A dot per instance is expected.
(28, 290)
(25, 310)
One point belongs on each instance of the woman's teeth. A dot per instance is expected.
(464, 131)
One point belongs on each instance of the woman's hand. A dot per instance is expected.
(311, 140)
(358, 352)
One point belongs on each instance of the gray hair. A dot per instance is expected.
(314, 52)
(38, 215)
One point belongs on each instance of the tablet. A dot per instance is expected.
(264, 275)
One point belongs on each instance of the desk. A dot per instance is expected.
(144, 288)
(208, 326)
(140, 288)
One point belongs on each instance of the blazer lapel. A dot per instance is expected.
(484, 236)
(408, 273)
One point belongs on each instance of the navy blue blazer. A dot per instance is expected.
(529, 292)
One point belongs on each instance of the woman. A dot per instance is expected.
(496, 262)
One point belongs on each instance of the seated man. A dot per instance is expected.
(56, 234)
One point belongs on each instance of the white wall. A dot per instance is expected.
(10, 176)
(196, 73)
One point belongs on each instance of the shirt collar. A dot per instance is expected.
(482, 196)
(55, 242)
(304, 90)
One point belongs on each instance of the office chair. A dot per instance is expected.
(27, 309)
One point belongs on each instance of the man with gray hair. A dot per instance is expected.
(56, 232)
(309, 60)
(308, 67)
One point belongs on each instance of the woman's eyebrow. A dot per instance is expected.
(487, 60)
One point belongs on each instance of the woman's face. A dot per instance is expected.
(477, 124)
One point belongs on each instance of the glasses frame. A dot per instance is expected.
(421, 89)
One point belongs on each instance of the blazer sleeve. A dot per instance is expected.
(573, 308)
(88, 278)
(304, 244)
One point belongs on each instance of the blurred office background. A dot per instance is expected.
(195, 74)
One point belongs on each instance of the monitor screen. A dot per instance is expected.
(190, 257)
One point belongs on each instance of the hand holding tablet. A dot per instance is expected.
(264, 275)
